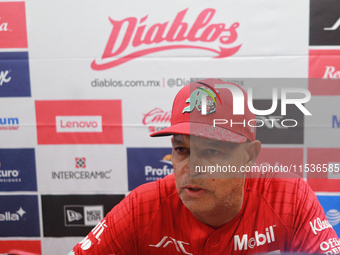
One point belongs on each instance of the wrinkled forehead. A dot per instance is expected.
(193, 141)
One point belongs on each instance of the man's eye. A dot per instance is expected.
(181, 150)
(212, 152)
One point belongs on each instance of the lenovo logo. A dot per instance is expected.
(79, 122)
(76, 124)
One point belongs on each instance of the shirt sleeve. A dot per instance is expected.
(313, 233)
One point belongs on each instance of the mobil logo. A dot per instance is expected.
(79, 122)
(13, 32)
(134, 37)
(259, 238)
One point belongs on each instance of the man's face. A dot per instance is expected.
(208, 194)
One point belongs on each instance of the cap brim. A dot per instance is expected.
(202, 130)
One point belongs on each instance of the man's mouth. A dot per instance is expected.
(194, 190)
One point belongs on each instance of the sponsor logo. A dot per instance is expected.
(13, 25)
(75, 215)
(331, 73)
(76, 124)
(19, 216)
(335, 26)
(333, 216)
(14, 74)
(9, 123)
(17, 170)
(317, 225)
(204, 100)
(130, 36)
(79, 122)
(4, 77)
(157, 119)
(156, 173)
(12, 216)
(80, 162)
(324, 23)
(167, 240)
(332, 243)
(324, 63)
(148, 164)
(259, 239)
(83, 215)
(96, 232)
(82, 175)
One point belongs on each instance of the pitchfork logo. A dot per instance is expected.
(141, 39)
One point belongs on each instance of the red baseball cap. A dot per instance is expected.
(205, 108)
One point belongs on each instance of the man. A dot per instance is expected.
(209, 205)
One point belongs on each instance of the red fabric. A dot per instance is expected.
(277, 215)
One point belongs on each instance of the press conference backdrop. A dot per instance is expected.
(84, 83)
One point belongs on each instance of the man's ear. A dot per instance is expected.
(253, 150)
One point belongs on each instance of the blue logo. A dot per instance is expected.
(335, 122)
(17, 170)
(9, 123)
(331, 206)
(14, 74)
(147, 165)
(19, 216)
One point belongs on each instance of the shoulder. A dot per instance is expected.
(289, 197)
(147, 198)
(160, 189)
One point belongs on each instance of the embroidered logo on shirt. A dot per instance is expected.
(167, 240)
